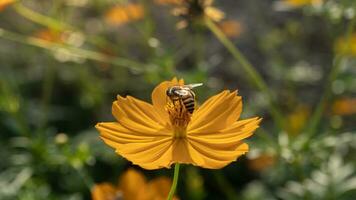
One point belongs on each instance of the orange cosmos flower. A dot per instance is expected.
(123, 14)
(133, 186)
(5, 3)
(160, 134)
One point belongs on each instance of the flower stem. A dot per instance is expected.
(40, 19)
(249, 69)
(175, 182)
(334, 71)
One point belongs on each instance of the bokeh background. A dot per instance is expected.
(62, 63)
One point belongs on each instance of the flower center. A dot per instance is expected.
(179, 116)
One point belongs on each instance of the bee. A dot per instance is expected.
(184, 94)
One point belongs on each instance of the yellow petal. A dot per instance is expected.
(239, 130)
(139, 116)
(216, 159)
(222, 147)
(180, 152)
(157, 189)
(131, 182)
(150, 151)
(149, 156)
(216, 113)
(104, 191)
(159, 97)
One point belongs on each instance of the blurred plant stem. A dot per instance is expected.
(41, 19)
(224, 185)
(82, 53)
(54, 23)
(88, 181)
(254, 76)
(334, 71)
(46, 95)
(14, 107)
(175, 182)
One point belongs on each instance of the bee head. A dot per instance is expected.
(170, 91)
(173, 92)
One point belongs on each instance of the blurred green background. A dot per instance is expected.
(62, 63)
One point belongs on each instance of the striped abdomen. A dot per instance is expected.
(189, 103)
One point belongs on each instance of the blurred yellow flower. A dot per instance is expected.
(123, 14)
(344, 106)
(196, 10)
(299, 3)
(297, 119)
(343, 46)
(159, 135)
(231, 28)
(261, 162)
(5, 3)
(133, 186)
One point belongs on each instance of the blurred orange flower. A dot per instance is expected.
(299, 3)
(5, 3)
(231, 28)
(344, 106)
(123, 14)
(159, 135)
(261, 162)
(50, 35)
(133, 186)
(343, 46)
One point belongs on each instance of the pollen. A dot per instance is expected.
(179, 117)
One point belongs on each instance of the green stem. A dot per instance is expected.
(225, 186)
(82, 53)
(56, 24)
(334, 71)
(40, 19)
(46, 95)
(175, 182)
(249, 69)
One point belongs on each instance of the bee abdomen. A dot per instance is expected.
(189, 104)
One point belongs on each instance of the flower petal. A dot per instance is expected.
(213, 159)
(220, 148)
(130, 182)
(139, 117)
(104, 191)
(216, 113)
(159, 96)
(150, 151)
(157, 189)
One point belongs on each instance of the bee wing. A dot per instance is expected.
(193, 85)
(182, 92)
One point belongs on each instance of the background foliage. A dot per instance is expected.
(62, 63)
